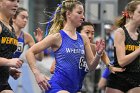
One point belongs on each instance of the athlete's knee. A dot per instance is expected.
(63, 91)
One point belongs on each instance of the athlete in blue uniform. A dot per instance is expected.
(87, 28)
(19, 22)
(73, 53)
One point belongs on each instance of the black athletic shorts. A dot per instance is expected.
(122, 82)
(4, 76)
(5, 87)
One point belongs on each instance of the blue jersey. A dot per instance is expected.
(71, 66)
(20, 46)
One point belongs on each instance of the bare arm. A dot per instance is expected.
(49, 41)
(93, 48)
(104, 56)
(92, 61)
(4, 62)
(14, 62)
(106, 60)
(119, 40)
(36, 48)
(30, 41)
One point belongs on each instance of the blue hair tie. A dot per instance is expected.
(49, 22)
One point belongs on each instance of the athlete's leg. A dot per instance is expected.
(134, 90)
(111, 90)
(102, 83)
(7, 91)
(63, 91)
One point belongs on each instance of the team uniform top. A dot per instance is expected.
(71, 64)
(8, 44)
(132, 72)
(20, 46)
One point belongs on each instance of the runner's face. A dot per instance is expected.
(9, 7)
(89, 31)
(21, 19)
(77, 15)
(136, 15)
